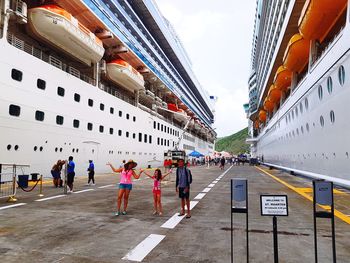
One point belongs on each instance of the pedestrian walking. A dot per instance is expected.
(91, 173)
(70, 174)
(125, 185)
(157, 194)
(183, 182)
(56, 173)
(222, 163)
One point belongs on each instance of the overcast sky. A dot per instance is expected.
(217, 36)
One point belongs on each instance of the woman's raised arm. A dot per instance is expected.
(114, 169)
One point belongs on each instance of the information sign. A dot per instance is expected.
(274, 205)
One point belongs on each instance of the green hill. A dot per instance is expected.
(234, 143)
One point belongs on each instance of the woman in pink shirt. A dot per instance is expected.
(125, 184)
(157, 178)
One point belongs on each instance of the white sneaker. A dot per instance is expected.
(93, 184)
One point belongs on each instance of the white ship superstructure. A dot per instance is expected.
(96, 79)
(300, 87)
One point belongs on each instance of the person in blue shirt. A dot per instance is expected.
(91, 172)
(183, 182)
(70, 173)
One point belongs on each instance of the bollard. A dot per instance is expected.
(12, 198)
(41, 186)
(65, 178)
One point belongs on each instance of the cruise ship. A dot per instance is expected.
(299, 87)
(101, 80)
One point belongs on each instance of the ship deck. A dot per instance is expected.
(81, 227)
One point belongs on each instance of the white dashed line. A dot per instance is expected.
(172, 221)
(193, 204)
(49, 198)
(11, 206)
(215, 182)
(83, 191)
(105, 186)
(200, 196)
(144, 248)
(211, 185)
(206, 190)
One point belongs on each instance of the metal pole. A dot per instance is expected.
(247, 226)
(12, 198)
(41, 186)
(231, 227)
(315, 222)
(333, 229)
(65, 178)
(275, 241)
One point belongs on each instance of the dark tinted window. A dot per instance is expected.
(162, 127)
(140, 137)
(127, 116)
(150, 139)
(134, 135)
(76, 123)
(145, 138)
(158, 140)
(59, 120)
(101, 128)
(127, 134)
(154, 125)
(16, 74)
(89, 126)
(102, 106)
(120, 113)
(120, 132)
(41, 84)
(134, 119)
(14, 110)
(90, 102)
(60, 91)
(158, 125)
(76, 97)
(39, 115)
(111, 110)
(111, 130)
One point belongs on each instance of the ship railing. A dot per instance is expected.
(50, 59)
(8, 179)
(117, 93)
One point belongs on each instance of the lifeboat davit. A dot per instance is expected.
(55, 25)
(296, 55)
(269, 105)
(319, 16)
(283, 78)
(262, 116)
(181, 115)
(274, 94)
(125, 75)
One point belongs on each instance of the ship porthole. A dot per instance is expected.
(341, 75)
(16, 147)
(322, 121)
(320, 92)
(9, 147)
(332, 116)
(329, 85)
(306, 104)
(35, 148)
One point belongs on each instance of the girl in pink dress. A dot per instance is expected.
(157, 178)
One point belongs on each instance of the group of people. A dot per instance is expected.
(182, 186)
(57, 169)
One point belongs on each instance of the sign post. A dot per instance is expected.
(274, 205)
(239, 204)
(323, 195)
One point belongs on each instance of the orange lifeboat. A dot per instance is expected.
(318, 17)
(122, 73)
(283, 78)
(274, 94)
(268, 105)
(256, 124)
(297, 53)
(55, 25)
(262, 116)
(181, 115)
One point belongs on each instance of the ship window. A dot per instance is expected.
(320, 92)
(302, 129)
(154, 125)
(162, 127)
(150, 138)
(14, 110)
(332, 116)
(168, 143)
(322, 121)
(59, 120)
(39, 115)
(301, 108)
(16, 74)
(102, 106)
(306, 104)
(90, 102)
(145, 138)
(101, 128)
(127, 116)
(140, 137)
(158, 125)
(89, 126)
(134, 119)
(76, 97)
(111, 110)
(341, 75)
(110, 130)
(168, 130)
(76, 123)
(60, 91)
(296, 111)
(35, 148)
(119, 132)
(329, 85)
(120, 113)
(127, 134)
(134, 135)
(41, 84)
(158, 141)
(293, 114)
(161, 141)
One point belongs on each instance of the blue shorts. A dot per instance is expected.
(125, 186)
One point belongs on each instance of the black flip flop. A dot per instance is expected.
(181, 214)
(188, 216)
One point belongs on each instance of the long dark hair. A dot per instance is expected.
(159, 174)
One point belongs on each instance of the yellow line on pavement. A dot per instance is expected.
(300, 191)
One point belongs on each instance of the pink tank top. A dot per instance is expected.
(125, 177)
(156, 184)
